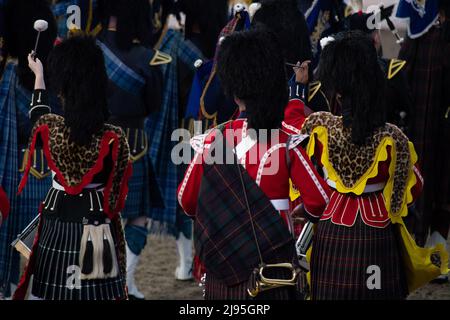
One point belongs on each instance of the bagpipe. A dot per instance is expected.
(328, 17)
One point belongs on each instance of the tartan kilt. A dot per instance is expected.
(426, 69)
(341, 256)
(24, 209)
(58, 249)
(143, 191)
(56, 267)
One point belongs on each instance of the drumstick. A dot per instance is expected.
(292, 65)
(39, 26)
(295, 65)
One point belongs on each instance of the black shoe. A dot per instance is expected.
(442, 279)
(131, 297)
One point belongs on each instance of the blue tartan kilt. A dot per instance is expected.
(23, 209)
(143, 190)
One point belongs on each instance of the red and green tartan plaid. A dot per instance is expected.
(224, 238)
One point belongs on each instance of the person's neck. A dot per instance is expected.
(241, 105)
(196, 28)
(112, 25)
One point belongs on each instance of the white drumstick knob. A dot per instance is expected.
(40, 25)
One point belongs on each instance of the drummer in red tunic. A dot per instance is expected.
(261, 93)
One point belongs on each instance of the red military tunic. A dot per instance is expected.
(294, 116)
(295, 111)
(266, 163)
(366, 198)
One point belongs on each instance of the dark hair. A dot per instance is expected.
(288, 24)
(349, 66)
(133, 21)
(444, 6)
(359, 21)
(20, 35)
(77, 73)
(210, 16)
(251, 68)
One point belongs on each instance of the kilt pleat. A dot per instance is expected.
(57, 272)
(138, 198)
(58, 250)
(341, 257)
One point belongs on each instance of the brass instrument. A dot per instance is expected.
(263, 284)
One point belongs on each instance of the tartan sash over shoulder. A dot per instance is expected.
(119, 73)
(224, 239)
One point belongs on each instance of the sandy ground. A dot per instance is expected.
(155, 276)
(155, 273)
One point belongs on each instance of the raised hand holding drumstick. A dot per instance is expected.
(302, 71)
(36, 66)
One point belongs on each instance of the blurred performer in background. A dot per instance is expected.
(135, 91)
(284, 19)
(207, 101)
(398, 94)
(79, 248)
(15, 128)
(204, 21)
(89, 16)
(177, 80)
(427, 53)
(160, 9)
(324, 18)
